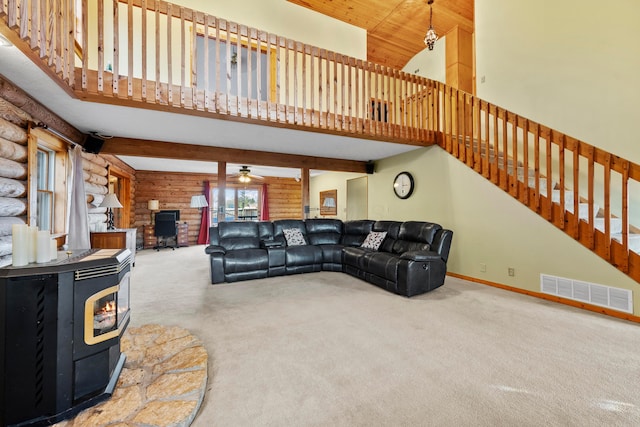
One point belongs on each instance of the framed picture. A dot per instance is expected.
(329, 202)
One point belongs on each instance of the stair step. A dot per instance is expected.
(616, 225)
(568, 197)
(634, 241)
(583, 211)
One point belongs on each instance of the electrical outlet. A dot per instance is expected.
(512, 271)
(483, 267)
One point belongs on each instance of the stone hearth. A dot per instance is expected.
(162, 384)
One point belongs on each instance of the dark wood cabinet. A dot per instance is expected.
(150, 241)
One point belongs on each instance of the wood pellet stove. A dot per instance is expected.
(61, 324)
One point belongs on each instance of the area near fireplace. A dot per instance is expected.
(61, 324)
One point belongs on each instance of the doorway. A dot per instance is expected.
(357, 198)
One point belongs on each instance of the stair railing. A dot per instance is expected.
(582, 189)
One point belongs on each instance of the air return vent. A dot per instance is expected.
(591, 293)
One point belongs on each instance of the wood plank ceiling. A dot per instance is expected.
(396, 28)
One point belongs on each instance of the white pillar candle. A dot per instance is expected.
(43, 247)
(33, 242)
(54, 250)
(19, 245)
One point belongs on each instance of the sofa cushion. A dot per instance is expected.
(303, 255)
(238, 243)
(245, 260)
(402, 246)
(321, 231)
(382, 264)
(374, 240)
(354, 256)
(355, 232)
(294, 237)
(417, 231)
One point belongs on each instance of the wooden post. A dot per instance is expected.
(222, 188)
(304, 181)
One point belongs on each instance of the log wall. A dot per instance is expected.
(13, 173)
(174, 191)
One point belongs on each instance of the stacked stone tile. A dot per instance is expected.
(162, 384)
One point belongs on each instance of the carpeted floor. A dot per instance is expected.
(326, 349)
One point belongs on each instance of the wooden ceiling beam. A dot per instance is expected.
(172, 150)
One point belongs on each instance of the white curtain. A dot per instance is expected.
(78, 218)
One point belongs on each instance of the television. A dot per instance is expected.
(174, 211)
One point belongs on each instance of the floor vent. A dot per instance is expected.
(591, 293)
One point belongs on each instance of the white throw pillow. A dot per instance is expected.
(374, 240)
(294, 237)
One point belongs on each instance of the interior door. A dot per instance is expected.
(357, 198)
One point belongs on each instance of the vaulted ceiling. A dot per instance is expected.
(396, 28)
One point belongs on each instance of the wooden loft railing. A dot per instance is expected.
(172, 57)
(583, 190)
(155, 54)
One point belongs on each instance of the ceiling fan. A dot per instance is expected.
(244, 175)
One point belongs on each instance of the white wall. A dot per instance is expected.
(571, 65)
(429, 63)
(291, 21)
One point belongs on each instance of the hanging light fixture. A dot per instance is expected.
(431, 36)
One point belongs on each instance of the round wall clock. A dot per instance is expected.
(403, 185)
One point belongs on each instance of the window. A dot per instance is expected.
(45, 187)
(242, 204)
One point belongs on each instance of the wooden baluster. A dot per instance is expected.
(85, 41)
(130, 49)
(259, 37)
(327, 89)
(23, 22)
(228, 42)
(169, 55)
(496, 147)
(183, 67)
(207, 61)
(295, 83)
(456, 142)
(376, 99)
(143, 83)
(335, 90)
(514, 148)
(468, 129)
(116, 51)
(35, 20)
(312, 77)
(269, 88)
(504, 178)
(525, 160)
(350, 95)
(549, 171)
(286, 77)
(624, 266)
(321, 121)
(12, 14)
(52, 31)
(342, 93)
(250, 75)
(157, 83)
(576, 188)
(358, 116)
(563, 186)
(217, 89)
(100, 46)
(591, 196)
(607, 205)
(536, 165)
(42, 39)
(230, 27)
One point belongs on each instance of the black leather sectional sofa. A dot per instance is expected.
(411, 259)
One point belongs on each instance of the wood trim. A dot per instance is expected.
(589, 307)
(168, 150)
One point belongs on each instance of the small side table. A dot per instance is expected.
(116, 239)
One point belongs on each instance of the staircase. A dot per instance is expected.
(581, 189)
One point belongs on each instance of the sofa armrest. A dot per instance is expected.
(267, 244)
(421, 256)
(214, 249)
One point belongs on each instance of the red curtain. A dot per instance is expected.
(264, 208)
(203, 236)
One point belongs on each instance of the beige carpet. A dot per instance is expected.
(326, 349)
